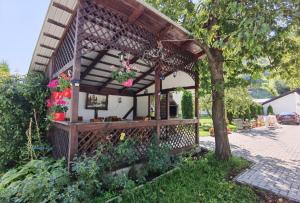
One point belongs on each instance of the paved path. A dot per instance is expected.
(276, 157)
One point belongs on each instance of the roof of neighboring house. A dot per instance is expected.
(261, 101)
(283, 95)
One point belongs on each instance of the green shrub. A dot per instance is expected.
(270, 110)
(159, 159)
(21, 99)
(37, 181)
(187, 105)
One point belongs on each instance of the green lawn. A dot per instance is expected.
(206, 124)
(204, 180)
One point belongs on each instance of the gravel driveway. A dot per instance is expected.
(276, 157)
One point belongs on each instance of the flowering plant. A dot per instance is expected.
(54, 84)
(64, 81)
(125, 74)
(59, 106)
(60, 84)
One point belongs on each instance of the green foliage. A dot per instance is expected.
(270, 110)
(238, 103)
(260, 110)
(59, 108)
(37, 181)
(205, 180)
(122, 76)
(4, 69)
(159, 159)
(187, 105)
(21, 99)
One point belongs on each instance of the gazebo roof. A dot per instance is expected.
(60, 14)
(109, 27)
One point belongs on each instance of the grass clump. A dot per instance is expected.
(204, 180)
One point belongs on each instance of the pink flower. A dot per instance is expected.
(49, 103)
(53, 84)
(61, 102)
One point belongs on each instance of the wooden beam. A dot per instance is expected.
(168, 105)
(165, 30)
(201, 53)
(43, 56)
(152, 83)
(54, 22)
(51, 36)
(186, 44)
(197, 82)
(105, 84)
(136, 14)
(41, 64)
(62, 7)
(127, 114)
(104, 91)
(163, 91)
(157, 94)
(100, 55)
(47, 47)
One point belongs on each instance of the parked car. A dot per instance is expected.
(288, 118)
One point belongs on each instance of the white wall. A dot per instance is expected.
(297, 103)
(114, 107)
(182, 79)
(142, 106)
(287, 103)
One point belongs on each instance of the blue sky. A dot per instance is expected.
(20, 25)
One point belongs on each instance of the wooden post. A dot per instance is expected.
(149, 103)
(168, 105)
(50, 67)
(73, 144)
(73, 135)
(134, 107)
(157, 102)
(197, 108)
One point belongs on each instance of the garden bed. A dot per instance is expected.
(194, 180)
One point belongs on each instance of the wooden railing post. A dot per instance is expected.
(157, 101)
(73, 144)
(76, 69)
(197, 107)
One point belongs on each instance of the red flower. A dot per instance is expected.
(64, 76)
(61, 102)
(49, 103)
(53, 84)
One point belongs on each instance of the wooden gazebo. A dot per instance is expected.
(86, 37)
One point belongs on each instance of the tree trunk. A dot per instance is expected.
(215, 62)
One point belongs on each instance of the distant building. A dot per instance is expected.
(287, 102)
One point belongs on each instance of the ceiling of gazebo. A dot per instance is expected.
(101, 71)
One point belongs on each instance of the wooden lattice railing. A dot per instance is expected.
(59, 138)
(177, 134)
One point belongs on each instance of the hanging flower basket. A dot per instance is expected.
(55, 96)
(59, 116)
(67, 93)
(125, 75)
(128, 83)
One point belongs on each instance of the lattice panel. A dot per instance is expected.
(176, 59)
(105, 29)
(65, 52)
(88, 141)
(59, 139)
(178, 136)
